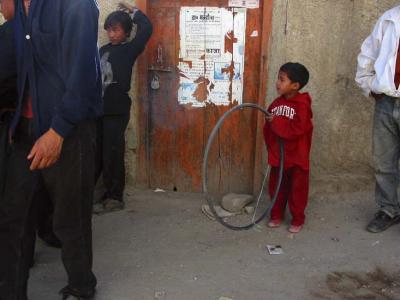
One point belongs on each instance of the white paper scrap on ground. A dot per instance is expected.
(275, 249)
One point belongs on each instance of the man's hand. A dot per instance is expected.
(46, 151)
(377, 96)
(269, 118)
(126, 7)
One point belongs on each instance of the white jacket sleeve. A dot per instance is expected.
(366, 59)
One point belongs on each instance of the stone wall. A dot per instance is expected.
(326, 35)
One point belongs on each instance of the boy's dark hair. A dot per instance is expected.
(297, 73)
(119, 18)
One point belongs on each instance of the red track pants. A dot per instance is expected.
(294, 191)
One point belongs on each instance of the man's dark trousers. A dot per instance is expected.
(70, 183)
(4, 126)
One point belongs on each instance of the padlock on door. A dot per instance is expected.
(155, 82)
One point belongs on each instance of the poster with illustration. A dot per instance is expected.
(211, 66)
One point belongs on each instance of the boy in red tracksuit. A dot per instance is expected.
(290, 121)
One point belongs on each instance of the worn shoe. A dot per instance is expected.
(69, 293)
(50, 239)
(113, 205)
(381, 222)
(295, 228)
(107, 206)
(98, 208)
(274, 223)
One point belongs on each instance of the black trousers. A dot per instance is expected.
(110, 154)
(70, 184)
(5, 119)
(40, 221)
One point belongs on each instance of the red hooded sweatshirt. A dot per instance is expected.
(291, 122)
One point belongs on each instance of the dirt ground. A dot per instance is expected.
(162, 247)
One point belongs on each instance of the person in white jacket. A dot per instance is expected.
(378, 75)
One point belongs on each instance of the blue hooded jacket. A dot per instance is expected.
(58, 63)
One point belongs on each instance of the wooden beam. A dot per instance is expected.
(259, 164)
(142, 159)
(142, 5)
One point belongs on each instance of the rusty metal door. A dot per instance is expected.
(173, 134)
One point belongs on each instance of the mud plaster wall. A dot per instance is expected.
(106, 7)
(326, 35)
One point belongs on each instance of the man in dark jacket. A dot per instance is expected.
(53, 138)
(8, 95)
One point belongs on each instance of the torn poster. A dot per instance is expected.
(244, 3)
(200, 32)
(212, 43)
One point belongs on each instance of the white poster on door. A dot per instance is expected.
(245, 3)
(201, 32)
(212, 44)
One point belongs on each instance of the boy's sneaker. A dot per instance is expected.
(274, 223)
(295, 228)
(98, 208)
(113, 205)
(69, 293)
(107, 206)
(381, 222)
(50, 239)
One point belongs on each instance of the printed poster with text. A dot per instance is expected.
(212, 45)
(244, 3)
